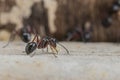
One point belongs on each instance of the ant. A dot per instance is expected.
(83, 33)
(24, 33)
(43, 43)
(115, 7)
(75, 35)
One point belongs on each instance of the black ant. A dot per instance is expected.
(106, 22)
(75, 35)
(43, 43)
(24, 33)
(83, 33)
(115, 7)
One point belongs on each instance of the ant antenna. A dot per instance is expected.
(63, 47)
(10, 39)
(6, 44)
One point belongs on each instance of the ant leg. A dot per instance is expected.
(36, 36)
(63, 47)
(47, 48)
(12, 37)
(32, 54)
(42, 50)
(53, 51)
(23, 52)
(53, 45)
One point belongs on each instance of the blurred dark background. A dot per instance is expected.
(66, 20)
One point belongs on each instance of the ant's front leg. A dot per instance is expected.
(36, 38)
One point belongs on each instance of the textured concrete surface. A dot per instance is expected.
(90, 61)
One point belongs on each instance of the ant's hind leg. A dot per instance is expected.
(53, 51)
(64, 47)
(47, 48)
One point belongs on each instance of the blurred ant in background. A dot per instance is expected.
(43, 43)
(75, 35)
(107, 20)
(114, 8)
(81, 33)
(87, 28)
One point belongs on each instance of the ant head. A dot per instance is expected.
(107, 22)
(30, 47)
(26, 37)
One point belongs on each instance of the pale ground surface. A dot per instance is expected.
(90, 61)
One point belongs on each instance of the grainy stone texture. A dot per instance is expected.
(87, 61)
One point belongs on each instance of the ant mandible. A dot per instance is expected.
(43, 43)
(24, 33)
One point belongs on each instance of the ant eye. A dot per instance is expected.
(30, 47)
(26, 37)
